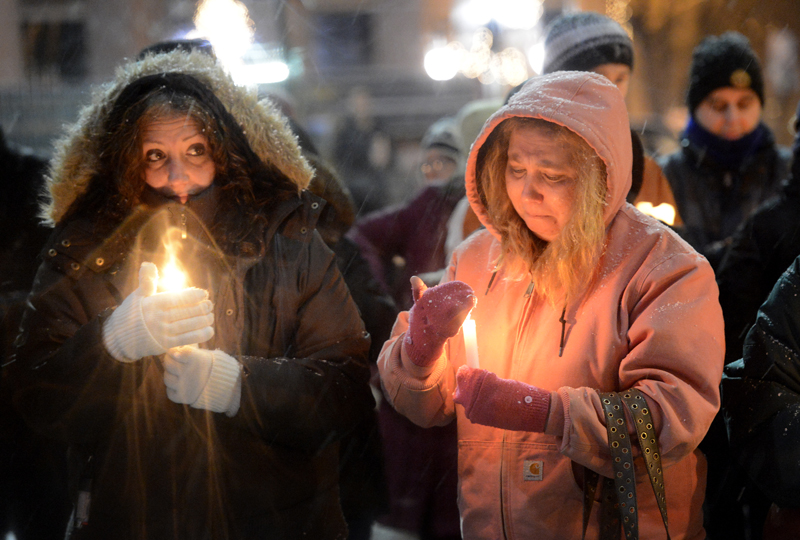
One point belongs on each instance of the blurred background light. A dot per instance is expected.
(518, 14)
(664, 211)
(261, 64)
(512, 14)
(536, 56)
(227, 25)
(265, 73)
(442, 62)
(510, 66)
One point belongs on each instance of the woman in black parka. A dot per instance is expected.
(761, 404)
(224, 421)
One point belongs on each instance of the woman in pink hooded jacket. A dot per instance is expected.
(574, 293)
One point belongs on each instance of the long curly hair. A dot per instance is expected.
(247, 185)
(563, 268)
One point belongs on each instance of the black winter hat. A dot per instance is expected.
(583, 40)
(720, 61)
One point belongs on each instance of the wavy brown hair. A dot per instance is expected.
(561, 269)
(247, 185)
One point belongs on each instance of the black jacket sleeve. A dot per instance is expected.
(761, 395)
(67, 385)
(761, 250)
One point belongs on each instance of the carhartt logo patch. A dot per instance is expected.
(532, 470)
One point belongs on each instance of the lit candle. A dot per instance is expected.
(664, 211)
(172, 277)
(471, 342)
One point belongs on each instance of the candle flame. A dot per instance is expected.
(172, 277)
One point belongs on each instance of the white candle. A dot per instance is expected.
(471, 342)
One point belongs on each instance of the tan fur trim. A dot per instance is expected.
(75, 158)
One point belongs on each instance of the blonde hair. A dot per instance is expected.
(562, 269)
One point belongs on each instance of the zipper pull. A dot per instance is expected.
(183, 223)
(491, 280)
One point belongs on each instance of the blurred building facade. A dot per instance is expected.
(53, 50)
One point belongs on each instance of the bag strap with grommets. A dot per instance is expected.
(621, 508)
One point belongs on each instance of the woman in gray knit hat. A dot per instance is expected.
(589, 41)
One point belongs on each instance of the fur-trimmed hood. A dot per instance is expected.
(76, 158)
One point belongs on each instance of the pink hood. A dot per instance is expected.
(587, 104)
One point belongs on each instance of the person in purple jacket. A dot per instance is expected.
(401, 241)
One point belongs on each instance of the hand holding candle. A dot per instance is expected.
(502, 403)
(148, 323)
(437, 314)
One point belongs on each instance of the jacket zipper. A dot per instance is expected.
(502, 488)
(183, 223)
(503, 472)
(491, 280)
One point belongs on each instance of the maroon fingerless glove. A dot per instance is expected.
(437, 314)
(502, 403)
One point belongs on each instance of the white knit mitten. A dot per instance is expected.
(148, 323)
(204, 379)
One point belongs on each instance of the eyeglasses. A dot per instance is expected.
(436, 165)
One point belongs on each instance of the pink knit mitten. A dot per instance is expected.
(502, 403)
(436, 315)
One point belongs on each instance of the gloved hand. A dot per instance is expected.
(502, 403)
(203, 379)
(148, 323)
(436, 315)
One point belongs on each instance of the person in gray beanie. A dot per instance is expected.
(589, 41)
(442, 151)
(728, 162)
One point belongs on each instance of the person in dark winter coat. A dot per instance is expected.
(763, 247)
(415, 231)
(728, 163)
(32, 468)
(761, 404)
(422, 491)
(760, 251)
(208, 411)
(22, 180)
(363, 489)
